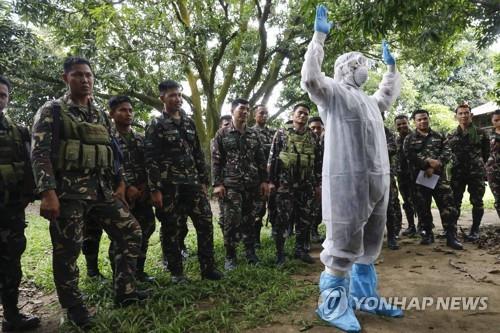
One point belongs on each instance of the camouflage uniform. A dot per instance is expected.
(470, 150)
(16, 191)
(493, 168)
(394, 216)
(132, 147)
(317, 216)
(295, 183)
(405, 184)
(239, 163)
(417, 148)
(220, 201)
(176, 166)
(134, 174)
(77, 164)
(266, 135)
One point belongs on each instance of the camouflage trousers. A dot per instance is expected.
(294, 205)
(220, 202)
(92, 233)
(476, 188)
(66, 233)
(180, 201)
(12, 246)
(317, 215)
(494, 183)
(405, 188)
(443, 197)
(239, 207)
(183, 231)
(394, 216)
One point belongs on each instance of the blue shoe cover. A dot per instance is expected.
(363, 292)
(333, 303)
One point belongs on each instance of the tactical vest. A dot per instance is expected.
(298, 154)
(12, 159)
(83, 146)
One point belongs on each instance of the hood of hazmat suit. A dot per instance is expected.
(356, 163)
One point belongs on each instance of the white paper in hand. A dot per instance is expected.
(429, 182)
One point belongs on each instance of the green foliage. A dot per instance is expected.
(223, 49)
(442, 118)
(496, 93)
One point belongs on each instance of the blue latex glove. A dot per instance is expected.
(321, 23)
(386, 54)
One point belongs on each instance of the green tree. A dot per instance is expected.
(224, 48)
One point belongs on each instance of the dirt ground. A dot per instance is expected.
(414, 270)
(422, 271)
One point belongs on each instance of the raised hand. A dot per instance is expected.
(386, 54)
(321, 23)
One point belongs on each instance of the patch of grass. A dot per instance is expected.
(247, 297)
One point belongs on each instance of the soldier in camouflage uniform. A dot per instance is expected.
(16, 191)
(266, 135)
(239, 178)
(427, 152)
(178, 180)
(137, 193)
(316, 126)
(295, 172)
(403, 175)
(72, 159)
(470, 148)
(224, 122)
(394, 216)
(493, 163)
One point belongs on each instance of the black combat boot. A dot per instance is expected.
(258, 227)
(79, 315)
(211, 273)
(392, 242)
(315, 236)
(252, 258)
(140, 274)
(133, 298)
(93, 266)
(13, 320)
(451, 239)
(427, 236)
(411, 231)
(477, 215)
(300, 247)
(280, 251)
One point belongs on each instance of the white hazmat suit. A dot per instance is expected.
(355, 183)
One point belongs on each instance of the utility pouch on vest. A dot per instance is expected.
(6, 155)
(289, 159)
(103, 160)
(93, 134)
(88, 156)
(19, 171)
(8, 176)
(72, 154)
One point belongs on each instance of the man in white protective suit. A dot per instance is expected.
(355, 179)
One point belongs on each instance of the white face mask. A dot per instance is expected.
(360, 75)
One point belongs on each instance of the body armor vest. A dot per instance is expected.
(298, 154)
(12, 159)
(83, 146)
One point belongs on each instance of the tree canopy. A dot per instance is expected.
(222, 49)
